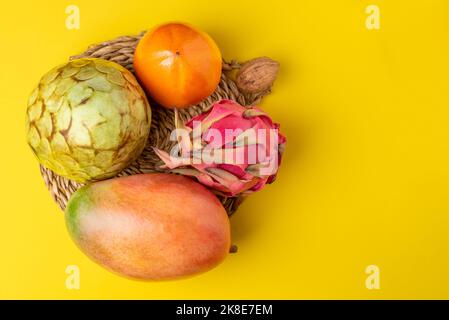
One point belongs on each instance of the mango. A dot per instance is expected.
(154, 226)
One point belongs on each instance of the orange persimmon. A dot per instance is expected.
(178, 65)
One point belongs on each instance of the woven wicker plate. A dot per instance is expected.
(121, 51)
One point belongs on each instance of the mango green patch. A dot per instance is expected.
(79, 204)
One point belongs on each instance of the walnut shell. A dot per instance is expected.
(257, 75)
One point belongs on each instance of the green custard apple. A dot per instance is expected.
(88, 119)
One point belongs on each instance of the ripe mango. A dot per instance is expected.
(150, 226)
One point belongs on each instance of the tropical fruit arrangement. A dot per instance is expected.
(149, 144)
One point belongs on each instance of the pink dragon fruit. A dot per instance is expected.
(229, 148)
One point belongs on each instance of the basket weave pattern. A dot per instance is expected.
(121, 51)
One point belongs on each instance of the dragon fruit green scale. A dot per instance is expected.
(87, 119)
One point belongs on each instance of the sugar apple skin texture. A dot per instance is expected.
(87, 119)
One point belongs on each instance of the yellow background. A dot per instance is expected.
(365, 179)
